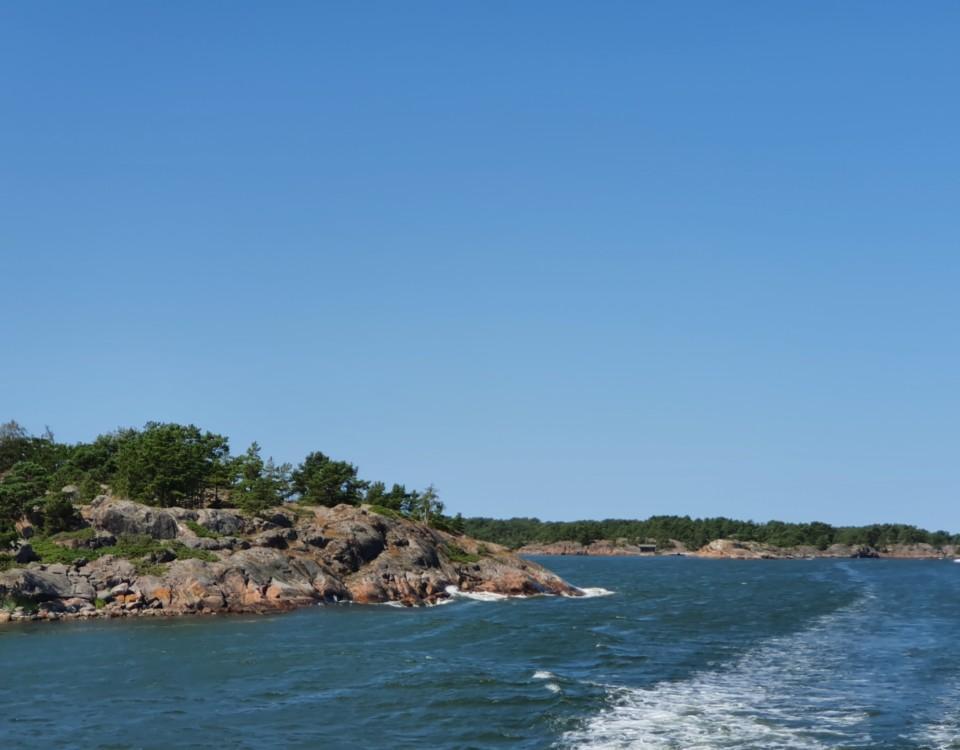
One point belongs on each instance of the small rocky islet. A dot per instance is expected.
(131, 559)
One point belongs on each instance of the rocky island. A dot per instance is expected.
(131, 559)
(165, 520)
(733, 549)
(714, 538)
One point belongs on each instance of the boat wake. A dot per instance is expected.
(763, 700)
(942, 732)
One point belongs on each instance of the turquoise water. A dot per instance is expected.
(685, 654)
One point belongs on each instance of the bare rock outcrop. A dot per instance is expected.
(289, 557)
(125, 517)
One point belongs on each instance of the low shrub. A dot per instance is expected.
(7, 538)
(13, 601)
(59, 514)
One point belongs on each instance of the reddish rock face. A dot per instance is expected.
(290, 557)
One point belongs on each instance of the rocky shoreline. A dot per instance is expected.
(212, 561)
(599, 548)
(735, 550)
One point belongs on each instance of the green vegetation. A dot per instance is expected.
(458, 555)
(320, 480)
(23, 483)
(133, 546)
(14, 601)
(50, 552)
(388, 512)
(81, 535)
(183, 552)
(167, 464)
(59, 513)
(695, 532)
(143, 550)
(258, 484)
(147, 567)
(201, 531)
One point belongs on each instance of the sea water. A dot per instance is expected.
(665, 653)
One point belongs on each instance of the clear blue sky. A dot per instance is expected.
(561, 259)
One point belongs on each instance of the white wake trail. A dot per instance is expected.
(783, 695)
(942, 733)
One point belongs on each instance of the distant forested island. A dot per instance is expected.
(695, 533)
(43, 482)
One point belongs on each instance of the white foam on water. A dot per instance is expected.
(589, 593)
(552, 687)
(942, 733)
(782, 694)
(401, 605)
(542, 674)
(479, 596)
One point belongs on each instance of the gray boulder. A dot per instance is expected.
(36, 585)
(124, 517)
(223, 522)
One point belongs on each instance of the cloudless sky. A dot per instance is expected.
(561, 259)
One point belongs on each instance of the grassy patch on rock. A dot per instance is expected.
(133, 546)
(147, 567)
(81, 535)
(50, 552)
(183, 552)
(138, 548)
(459, 555)
(382, 511)
(201, 531)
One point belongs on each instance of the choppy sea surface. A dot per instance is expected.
(685, 654)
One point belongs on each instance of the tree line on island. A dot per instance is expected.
(696, 532)
(168, 464)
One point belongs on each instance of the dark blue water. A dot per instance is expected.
(685, 654)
